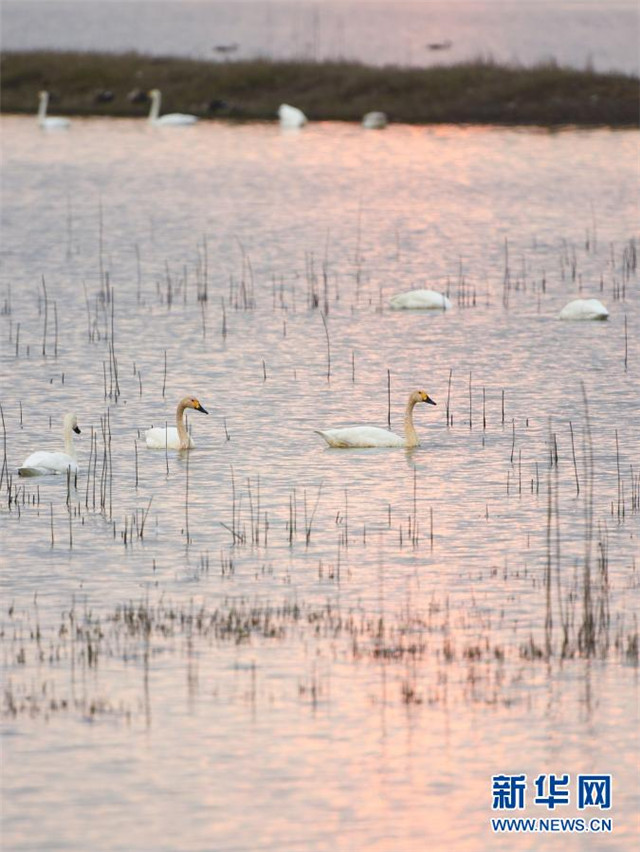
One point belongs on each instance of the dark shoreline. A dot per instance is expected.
(472, 93)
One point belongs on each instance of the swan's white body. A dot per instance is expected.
(373, 436)
(171, 119)
(424, 300)
(49, 122)
(584, 309)
(291, 116)
(174, 437)
(43, 462)
(375, 120)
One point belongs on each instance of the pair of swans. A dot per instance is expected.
(431, 300)
(172, 119)
(45, 462)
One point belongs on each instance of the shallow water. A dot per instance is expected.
(347, 645)
(602, 34)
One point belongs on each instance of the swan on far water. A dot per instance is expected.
(44, 462)
(425, 300)
(171, 119)
(291, 116)
(584, 309)
(49, 122)
(375, 120)
(372, 436)
(174, 437)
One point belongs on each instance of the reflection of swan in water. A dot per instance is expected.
(171, 119)
(584, 309)
(174, 437)
(45, 462)
(375, 120)
(372, 436)
(425, 300)
(49, 122)
(291, 116)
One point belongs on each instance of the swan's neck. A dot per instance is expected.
(410, 433)
(155, 107)
(42, 108)
(183, 435)
(69, 448)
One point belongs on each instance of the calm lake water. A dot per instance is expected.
(265, 643)
(602, 34)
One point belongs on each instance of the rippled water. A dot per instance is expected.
(598, 33)
(310, 648)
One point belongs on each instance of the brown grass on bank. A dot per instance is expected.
(474, 92)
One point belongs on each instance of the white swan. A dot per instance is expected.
(171, 119)
(291, 116)
(174, 437)
(45, 462)
(584, 309)
(372, 436)
(375, 120)
(49, 122)
(424, 300)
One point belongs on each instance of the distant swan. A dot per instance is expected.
(372, 436)
(171, 119)
(49, 122)
(584, 309)
(174, 437)
(425, 300)
(291, 116)
(44, 462)
(375, 120)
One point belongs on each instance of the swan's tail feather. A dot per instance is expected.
(30, 471)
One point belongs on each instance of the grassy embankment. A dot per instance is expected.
(476, 92)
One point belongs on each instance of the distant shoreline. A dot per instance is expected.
(481, 92)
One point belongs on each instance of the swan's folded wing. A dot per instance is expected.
(42, 463)
(160, 438)
(361, 436)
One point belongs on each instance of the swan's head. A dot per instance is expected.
(71, 424)
(422, 396)
(154, 93)
(192, 402)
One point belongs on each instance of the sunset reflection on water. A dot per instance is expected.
(349, 644)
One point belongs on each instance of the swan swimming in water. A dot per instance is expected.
(584, 309)
(375, 121)
(372, 436)
(291, 116)
(44, 462)
(171, 119)
(49, 122)
(174, 437)
(424, 300)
